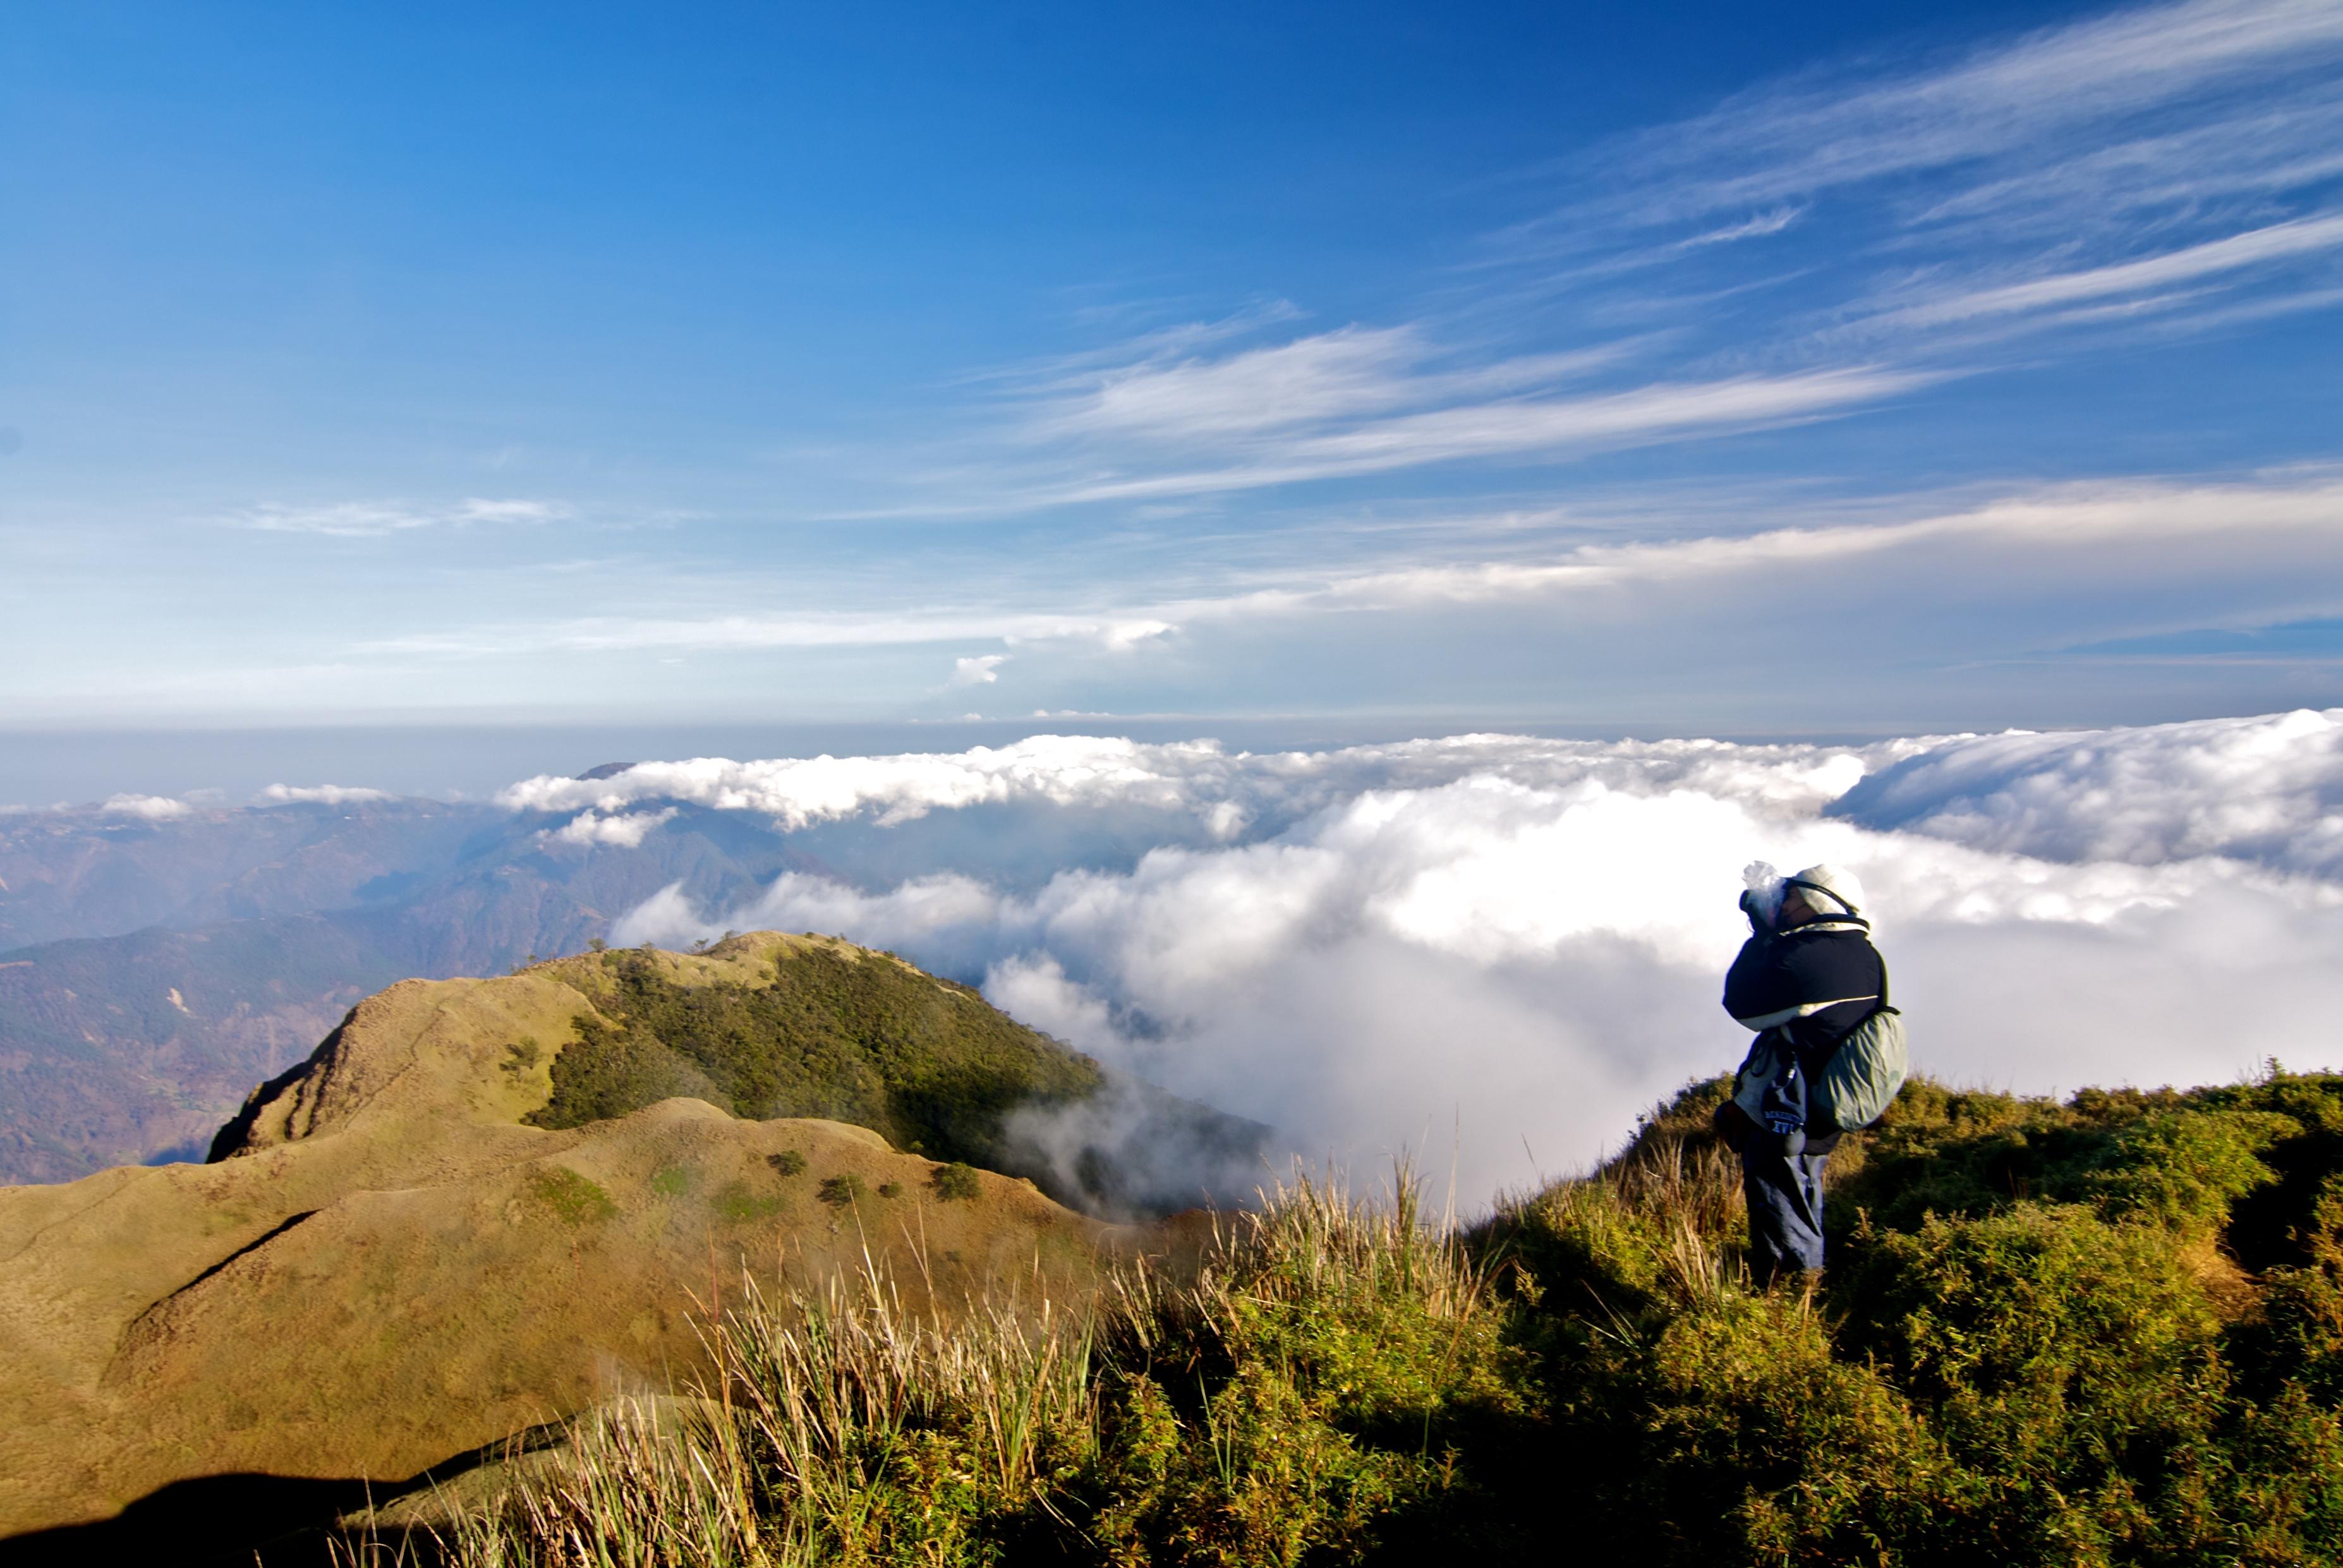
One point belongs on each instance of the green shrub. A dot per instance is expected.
(2045, 1341)
(955, 1182)
(789, 1162)
(842, 1191)
(1758, 1444)
(2185, 1169)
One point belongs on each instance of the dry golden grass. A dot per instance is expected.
(844, 1426)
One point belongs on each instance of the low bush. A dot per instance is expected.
(842, 1192)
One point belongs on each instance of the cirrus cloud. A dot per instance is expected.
(370, 519)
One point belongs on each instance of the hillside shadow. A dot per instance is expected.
(280, 1521)
(213, 1519)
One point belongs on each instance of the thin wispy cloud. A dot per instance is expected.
(2117, 559)
(1808, 249)
(2198, 143)
(2050, 96)
(1764, 223)
(2276, 242)
(370, 519)
(780, 630)
(1311, 380)
(1330, 375)
(1213, 429)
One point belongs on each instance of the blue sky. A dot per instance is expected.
(1696, 370)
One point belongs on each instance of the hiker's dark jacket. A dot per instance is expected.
(1814, 982)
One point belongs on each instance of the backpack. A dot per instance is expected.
(1852, 1089)
(1859, 1081)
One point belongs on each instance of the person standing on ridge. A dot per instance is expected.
(1805, 979)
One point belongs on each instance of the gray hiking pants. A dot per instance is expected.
(1785, 1207)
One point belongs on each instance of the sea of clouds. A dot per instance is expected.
(1494, 951)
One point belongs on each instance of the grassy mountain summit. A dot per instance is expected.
(476, 1207)
(769, 1025)
(763, 1026)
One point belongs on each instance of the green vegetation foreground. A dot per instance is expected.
(2109, 1330)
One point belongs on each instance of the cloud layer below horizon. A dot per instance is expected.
(1513, 945)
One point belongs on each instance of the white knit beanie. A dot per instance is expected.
(1843, 886)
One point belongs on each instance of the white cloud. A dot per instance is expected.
(906, 627)
(1525, 428)
(1978, 195)
(2000, 578)
(2266, 789)
(624, 832)
(321, 794)
(2253, 247)
(1333, 373)
(2294, 523)
(1521, 939)
(368, 519)
(1199, 778)
(1758, 227)
(796, 791)
(983, 670)
(2265, 150)
(2030, 96)
(153, 808)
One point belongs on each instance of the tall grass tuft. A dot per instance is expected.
(1276, 1401)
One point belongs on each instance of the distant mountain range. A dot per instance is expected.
(151, 971)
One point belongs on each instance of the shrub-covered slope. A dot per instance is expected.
(832, 1032)
(2109, 1330)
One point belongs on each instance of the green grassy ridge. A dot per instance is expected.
(2103, 1330)
(858, 1038)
